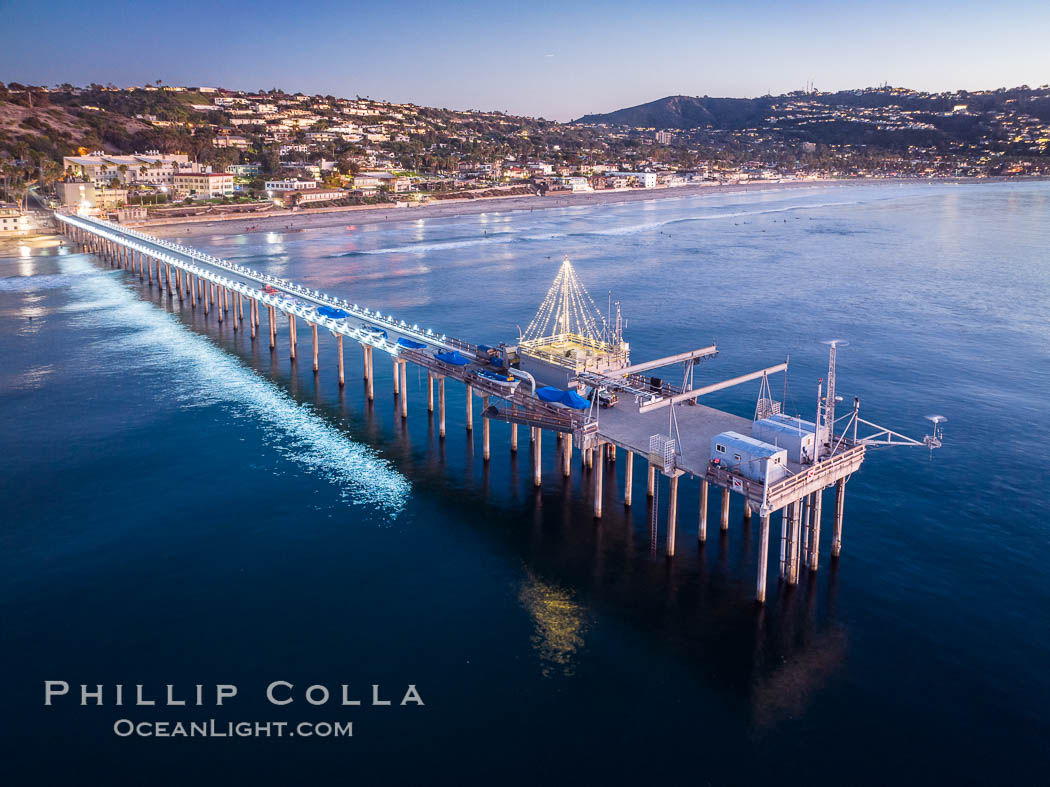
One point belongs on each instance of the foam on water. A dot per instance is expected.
(637, 228)
(204, 375)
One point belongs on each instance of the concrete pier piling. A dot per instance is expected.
(814, 549)
(291, 336)
(794, 551)
(484, 428)
(404, 390)
(514, 438)
(339, 344)
(628, 479)
(651, 486)
(566, 455)
(430, 391)
(370, 374)
(598, 490)
(840, 503)
(702, 530)
(763, 559)
(470, 407)
(397, 378)
(537, 453)
(724, 521)
(672, 515)
(785, 524)
(441, 406)
(313, 328)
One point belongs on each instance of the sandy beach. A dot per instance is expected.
(315, 218)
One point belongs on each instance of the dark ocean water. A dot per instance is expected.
(182, 507)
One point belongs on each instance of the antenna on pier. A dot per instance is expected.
(825, 424)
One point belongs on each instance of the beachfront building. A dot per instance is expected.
(13, 220)
(645, 180)
(88, 197)
(307, 196)
(290, 185)
(371, 181)
(203, 185)
(152, 168)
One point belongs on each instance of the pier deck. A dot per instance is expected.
(224, 287)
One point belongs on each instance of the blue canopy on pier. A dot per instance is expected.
(334, 314)
(410, 344)
(453, 358)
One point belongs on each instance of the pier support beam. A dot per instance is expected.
(793, 551)
(814, 549)
(484, 428)
(628, 479)
(785, 526)
(253, 306)
(339, 344)
(514, 438)
(807, 515)
(397, 377)
(763, 560)
(537, 456)
(724, 522)
(291, 334)
(598, 473)
(313, 326)
(430, 391)
(441, 406)
(747, 513)
(404, 390)
(840, 503)
(652, 480)
(672, 515)
(370, 373)
(702, 531)
(273, 327)
(566, 455)
(470, 407)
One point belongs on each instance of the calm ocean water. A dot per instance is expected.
(182, 507)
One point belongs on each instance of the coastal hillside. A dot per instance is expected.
(889, 118)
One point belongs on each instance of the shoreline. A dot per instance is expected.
(321, 218)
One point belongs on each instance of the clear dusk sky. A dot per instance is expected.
(558, 60)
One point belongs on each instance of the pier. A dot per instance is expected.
(569, 375)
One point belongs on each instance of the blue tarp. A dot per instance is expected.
(453, 358)
(410, 344)
(575, 401)
(328, 311)
(564, 398)
(548, 394)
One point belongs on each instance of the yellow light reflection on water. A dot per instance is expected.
(559, 625)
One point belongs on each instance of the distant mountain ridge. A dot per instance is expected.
(684, 112)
